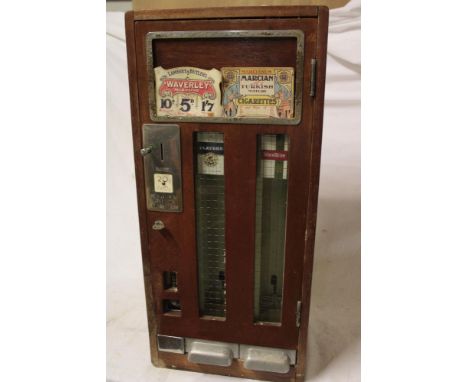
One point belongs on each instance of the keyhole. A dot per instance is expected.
(161, 151)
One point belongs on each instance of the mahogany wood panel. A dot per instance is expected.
(174, 249)
(240, 198)
(218, 53)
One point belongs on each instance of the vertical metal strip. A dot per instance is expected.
(313, 76)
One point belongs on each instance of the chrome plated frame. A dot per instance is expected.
(299, 73)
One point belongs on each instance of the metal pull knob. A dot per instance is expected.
(158, 225)
(146, 150)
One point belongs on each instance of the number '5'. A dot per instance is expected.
(185, 106)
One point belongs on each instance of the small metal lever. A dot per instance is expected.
(158, 225)
(146, 150)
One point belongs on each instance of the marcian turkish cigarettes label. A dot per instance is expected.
(188, 91)
(258, 92)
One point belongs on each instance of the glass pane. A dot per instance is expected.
(270, 225)
(209, 199)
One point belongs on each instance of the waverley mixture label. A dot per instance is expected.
(258, 92)
(188, 91)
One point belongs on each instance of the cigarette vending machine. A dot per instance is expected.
(227, 108)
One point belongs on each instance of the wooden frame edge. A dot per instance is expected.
(229, 12)
(318, 105)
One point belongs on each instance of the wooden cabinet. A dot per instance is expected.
(227, 206)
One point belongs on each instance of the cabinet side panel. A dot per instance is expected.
(139, 174)
(322, 36)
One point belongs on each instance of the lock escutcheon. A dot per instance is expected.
(158, 225)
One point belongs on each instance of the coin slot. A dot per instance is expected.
(163, 177)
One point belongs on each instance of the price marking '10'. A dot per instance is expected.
(166, 103)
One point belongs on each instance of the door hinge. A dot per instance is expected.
(298, 313)
(313, 76)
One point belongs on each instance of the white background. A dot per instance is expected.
(52, 204)
(334, 340)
